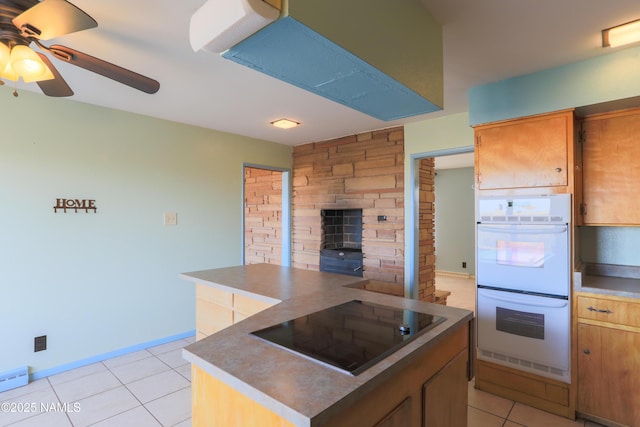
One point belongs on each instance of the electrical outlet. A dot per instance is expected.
(40, 343)
(464, 264)
(170, 218)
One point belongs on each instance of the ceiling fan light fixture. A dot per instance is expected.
(5, 55)
(285, 123)
(9, 74)
(28, 65)
(621, 34)
(48, 75)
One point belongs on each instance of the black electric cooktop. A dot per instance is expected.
(352, 336)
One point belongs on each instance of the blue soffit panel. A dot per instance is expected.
(291, 52)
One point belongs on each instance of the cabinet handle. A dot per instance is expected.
(598, 310)
(586, 351)
(558, 170)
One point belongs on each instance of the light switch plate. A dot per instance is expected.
(170, 218)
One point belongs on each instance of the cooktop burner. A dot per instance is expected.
(352, 336)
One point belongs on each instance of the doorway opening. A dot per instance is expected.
(266, 215)
(440, 228)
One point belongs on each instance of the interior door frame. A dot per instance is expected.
(286, 210)
(412, 214)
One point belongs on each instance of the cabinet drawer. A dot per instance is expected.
(248, 306)
(217, 296)
(211, 317)
(611, 311)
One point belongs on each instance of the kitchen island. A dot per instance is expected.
(240, 380)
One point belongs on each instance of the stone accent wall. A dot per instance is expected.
(363, 171)
(262, 216)
(426, 250)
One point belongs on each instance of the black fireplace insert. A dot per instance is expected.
(342, 261)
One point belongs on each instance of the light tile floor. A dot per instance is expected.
(463, 291)
(148, 388)
(151, 388)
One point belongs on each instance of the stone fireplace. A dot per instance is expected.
(361, 172)
(341, 242)
(364, 172)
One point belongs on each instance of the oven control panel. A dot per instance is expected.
(544, 209)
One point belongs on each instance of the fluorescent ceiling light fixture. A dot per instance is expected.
(285, 124)
(621, 34)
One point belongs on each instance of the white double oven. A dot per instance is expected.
(523, 283)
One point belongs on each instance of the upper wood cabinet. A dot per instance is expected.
(530, 152)
(611, 171)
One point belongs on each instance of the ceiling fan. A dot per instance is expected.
(23, 22)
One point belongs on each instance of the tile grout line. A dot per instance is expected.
(91, 395)
(144, 405)
(160, 397)
(513, 405)
(66, 414)
(173, 369)
(132, 393)
(121, 384)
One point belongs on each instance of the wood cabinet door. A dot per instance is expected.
(531, 152)
(399, 417)
(609, 373)
(611, 168)
(446, 395)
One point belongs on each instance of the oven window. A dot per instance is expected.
(520, 254)
(530, 325)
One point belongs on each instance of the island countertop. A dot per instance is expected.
(300, 390)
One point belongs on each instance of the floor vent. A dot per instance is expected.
(14, 378)
(526, 365)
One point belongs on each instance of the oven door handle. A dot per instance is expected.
(555, 303)
(544, 229)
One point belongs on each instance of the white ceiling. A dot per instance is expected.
(484, 41)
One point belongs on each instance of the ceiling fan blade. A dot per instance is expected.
(53, 18)
(57, 86)
(104, 68)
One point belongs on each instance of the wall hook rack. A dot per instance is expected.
(75, 204)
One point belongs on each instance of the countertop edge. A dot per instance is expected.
(607, 285)
(231, 289)
(262, 398)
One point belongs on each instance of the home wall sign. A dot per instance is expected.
(75, 204)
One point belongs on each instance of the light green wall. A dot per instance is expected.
(401, 39)
(455, 226)
(442, 133)
(97, 283)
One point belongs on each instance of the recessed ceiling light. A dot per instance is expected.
(285, 124)
(621, 34)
